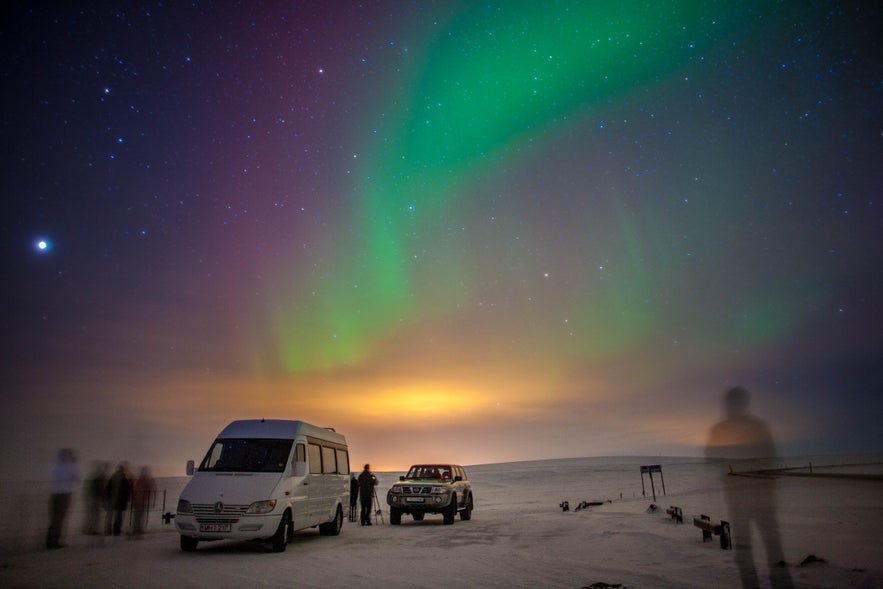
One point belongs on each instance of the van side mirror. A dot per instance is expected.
(300, 469)
(191, 468)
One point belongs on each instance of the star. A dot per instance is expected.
(42, 245)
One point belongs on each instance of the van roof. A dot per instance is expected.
(279, 429)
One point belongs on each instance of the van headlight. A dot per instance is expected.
(260, 507)
(184, 506)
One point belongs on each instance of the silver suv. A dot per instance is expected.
(431, 488)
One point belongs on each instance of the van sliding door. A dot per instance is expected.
(299, 488)
(316, 485)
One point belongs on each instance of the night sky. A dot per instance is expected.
(475, 232)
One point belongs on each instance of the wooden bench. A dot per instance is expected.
(703, 522)
(676, 514)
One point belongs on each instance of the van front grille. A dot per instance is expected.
(218, 513)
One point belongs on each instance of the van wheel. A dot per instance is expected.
(188, 544)
(466, 512)
(280, 538)
(451, 511)
(395, 516)
(332, 528)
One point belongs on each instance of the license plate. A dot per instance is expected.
(215, 527)
(413, 499)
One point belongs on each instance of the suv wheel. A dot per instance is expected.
(451, 511)
(466, 512)
(395, 516)
(418, 516)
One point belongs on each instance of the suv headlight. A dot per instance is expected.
(184, 506)
(259, 507)
(440, 490)
(395, 489)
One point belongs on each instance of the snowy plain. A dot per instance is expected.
(519, 536)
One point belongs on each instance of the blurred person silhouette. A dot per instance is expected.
(119, 489)
(143, 491)
(65, 477)
(367, 482)
(746, 443)
(354, 496)
(95, 490)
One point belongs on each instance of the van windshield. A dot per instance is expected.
(247, 455)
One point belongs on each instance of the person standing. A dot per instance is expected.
(354, 496)
(367, 482)
(745, 442)
(65, 477)
(119, 488)
(143, 491)
(95, 489)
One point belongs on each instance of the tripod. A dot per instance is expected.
(377, 511)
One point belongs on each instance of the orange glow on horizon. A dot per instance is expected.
(427, 401)
(393, 419)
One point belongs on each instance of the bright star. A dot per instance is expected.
(42, 245)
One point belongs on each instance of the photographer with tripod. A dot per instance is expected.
(367, 482)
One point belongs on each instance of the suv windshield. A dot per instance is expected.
(430, 471)
(247, 455)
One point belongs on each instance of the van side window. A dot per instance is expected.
(343, 462)
(315, 459)
(300, 454)
(329, 464)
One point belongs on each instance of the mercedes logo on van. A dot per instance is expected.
(219, 507)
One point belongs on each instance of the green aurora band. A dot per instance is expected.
(496, 77)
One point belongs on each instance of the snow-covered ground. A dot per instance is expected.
(518, 536)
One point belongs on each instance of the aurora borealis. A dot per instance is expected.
(442, 228)
(500, 77)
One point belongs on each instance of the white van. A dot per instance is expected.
(263, 479)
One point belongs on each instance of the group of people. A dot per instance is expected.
(106, 494)
(112, 494)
